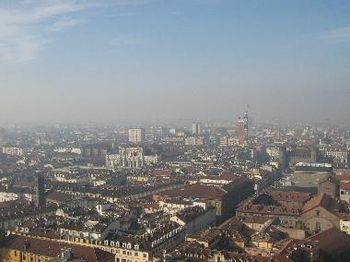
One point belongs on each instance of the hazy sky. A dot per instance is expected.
(89, 60)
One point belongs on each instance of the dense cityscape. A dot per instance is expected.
(232, 191)
(174, 131)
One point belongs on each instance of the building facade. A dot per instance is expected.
(243, 129)
(136, 135)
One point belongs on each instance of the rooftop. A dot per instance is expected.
(323, 200)
(51, 248)
(197, 191)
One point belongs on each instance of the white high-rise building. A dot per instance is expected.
(136, 135)
(196, 129)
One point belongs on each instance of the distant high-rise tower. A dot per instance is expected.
(243, 129)
(282, 156)
(39, 194)
(196, 129)
(136, 135)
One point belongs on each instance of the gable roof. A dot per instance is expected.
(323, 200)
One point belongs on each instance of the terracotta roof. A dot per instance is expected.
(343, 177)
(255, 219)
(290, 196)
(323, 200)
(248, 207)
(332, 240)
(161, 172)
(207, 235)
(197, 191)
(51, 248)
(345, 185)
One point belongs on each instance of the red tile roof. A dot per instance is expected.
(52, 248)
(343, 177)
(289, 196)
(197, 191)
(332, 240)
(323, 200)
(161, 172)
(345, 185)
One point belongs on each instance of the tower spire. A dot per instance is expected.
(243, 128)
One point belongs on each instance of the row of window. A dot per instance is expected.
(30, 257)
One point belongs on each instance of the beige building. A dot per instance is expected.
(321, 213)
(136, 135)
(11, 150)
(310, 174)
(196, 129)
(345, 225)
(344, 191)
(340, 157)
(194, 141)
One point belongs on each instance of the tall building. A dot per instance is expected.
(39, 188)
(196, 129)
(243, 129)
(136, 135)
(282, 157)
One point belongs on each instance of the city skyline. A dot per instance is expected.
(174, 130)
(110, 61)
